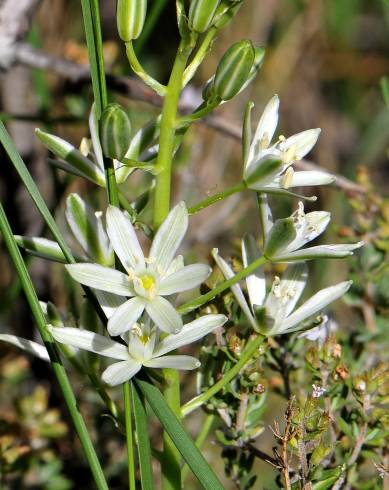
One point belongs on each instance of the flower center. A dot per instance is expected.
(147, 281)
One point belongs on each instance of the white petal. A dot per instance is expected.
(312, 225)
(265, 215)
(29, 346)
(311, 178)
(126, 315)
(90, 341)
(124, 239)
(191, 332)
(256, 284)
(187, 278)
(109, 302)
(306, 178)
(88, 229)
(120, 372)
(174, 362)
(337, 251)
(164, 315)
(283, 297)
(94, 132)
(175, 265)
(315, 304)
(99, 277)
(169, 236)
(302, 143)
(267, 124)
(228, 273)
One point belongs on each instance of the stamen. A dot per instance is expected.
(287, 178)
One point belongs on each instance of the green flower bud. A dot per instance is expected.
(233, 70)
(115, 131)
(201, 14)
(281, 234)
(225, 12)
(130, 18)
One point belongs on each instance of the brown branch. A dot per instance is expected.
(15, 18)
(26, 55)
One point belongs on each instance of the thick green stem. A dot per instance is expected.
(171, 472)
(129, 438)
(245, 357)
(217, 197)
(163, 164)
(205, 298)
(59, 370)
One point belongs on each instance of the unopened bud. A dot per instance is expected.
(115, 131)
(233, 70)
(130, 18)
(201, 14)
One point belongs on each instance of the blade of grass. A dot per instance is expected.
(127, 388)
(90, 12)
(181, 439)
(143, 441)
(33, 190)
(59, 370)
(91, 15)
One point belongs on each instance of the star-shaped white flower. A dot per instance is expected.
(268, 167)
(276, 313)
(147, 280)
(143, 347)
(286, 238)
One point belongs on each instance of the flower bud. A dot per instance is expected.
(115, 131)
(201, 14)
(130, 18)
(233, 70)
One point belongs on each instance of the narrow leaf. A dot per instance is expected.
(143, 441)
(179, 436)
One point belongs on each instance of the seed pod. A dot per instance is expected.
(130, 18)
(115, 131)
(234, 70)
(201, 14)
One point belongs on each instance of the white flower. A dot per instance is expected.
(317, 391)
(268, 168)
(147, 281)
(286, 237)
(276, 313)
(143, 347)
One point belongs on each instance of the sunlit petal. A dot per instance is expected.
(90, 341)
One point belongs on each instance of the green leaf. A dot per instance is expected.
(180, 438)
(143, 441)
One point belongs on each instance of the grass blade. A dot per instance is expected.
(90, 12)
(59, 370)
(181, 439)
(144, 450)
(33, 190)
